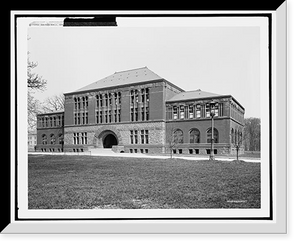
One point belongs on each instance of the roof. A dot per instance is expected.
(123, 78)
(189, 95)
(52, 112)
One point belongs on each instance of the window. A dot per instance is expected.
(59, 120)
(191, 111)
(100, 117)
(54, 121)
(131, 114)
(198, 111)
(52, 139)
(194, 136)
(182, 112)
(119, 115)
(50, 119)
(232, 136)
(175, 116)
(75, 103)
(83, 138)
(131, 136)
(147, 113)
(75, 118)
(147, 136)
(207, 110)
(119, 97)
(44, 139)
(97, 101)
(109, 116)
(86, 118)
(97, 116)
(136, 114)
(178, 136)
(100, 100)
(216, 135)
(142, 136)
(147, 94)
(136, 136)
(131, 97)
(61, 139)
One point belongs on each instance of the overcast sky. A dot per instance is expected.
(222, 60)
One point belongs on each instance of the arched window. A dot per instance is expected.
(61, 139)
(216, 135)
(194, 136)
(52, 139)
(44, 139)
(178, 136)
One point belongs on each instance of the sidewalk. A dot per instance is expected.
(147, 156)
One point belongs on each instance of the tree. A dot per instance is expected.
(173, 138)
(252, 134)
(238, 140)
(34, 81)
(55, 103)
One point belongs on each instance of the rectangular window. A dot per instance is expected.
(75, 118)
(119, 115)
(142, 136)
(131, 114)
(198, 111)
(207, 110)
(131, 136)
(100, 117)
(106, 118)
(136, 114)
(182, 112)
(110, 116)
(147, 136)
(74, 139)
(147, 113)
(83, 117)
(143, 113)
(86, 118)
(97, 116)
(136, 136)
(116, 116)
(191, 111)
(175, 116)
(78, 118)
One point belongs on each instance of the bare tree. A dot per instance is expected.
(34, 108)
(34, 81)
(173, 138)
(238, 141)
(55, 103)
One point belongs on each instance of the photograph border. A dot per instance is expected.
(271, 192)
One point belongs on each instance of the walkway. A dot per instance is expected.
(110, 153)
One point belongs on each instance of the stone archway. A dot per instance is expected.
(106, 137)
(109, 140)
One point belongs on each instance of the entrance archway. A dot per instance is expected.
(109, 140)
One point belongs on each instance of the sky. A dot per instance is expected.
(218, 59)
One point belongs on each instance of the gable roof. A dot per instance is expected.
(189, 95)
(123, 78)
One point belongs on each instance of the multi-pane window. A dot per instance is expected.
(191, 111)
(216, 135)
(198, 111)
(175, 114)
(178, 136)
(52, 139)
(194, 136)
(61, 139)
(136, 137)
(182, 112)
(44, 139)
(83, 138)
(131, 136)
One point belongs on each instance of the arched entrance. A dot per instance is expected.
(109, 140)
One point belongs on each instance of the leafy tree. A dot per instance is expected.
(34, 81)
(252, 134)
(173, 138)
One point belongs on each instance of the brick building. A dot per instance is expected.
(137, 111)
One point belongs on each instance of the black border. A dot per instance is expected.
(268, 15)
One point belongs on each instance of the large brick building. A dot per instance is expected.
(138, 111)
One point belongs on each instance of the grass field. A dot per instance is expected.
(87, 182)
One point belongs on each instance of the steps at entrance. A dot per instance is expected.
(103, 151)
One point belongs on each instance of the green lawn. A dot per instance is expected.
(86, 182)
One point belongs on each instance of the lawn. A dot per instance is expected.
(88, 182)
